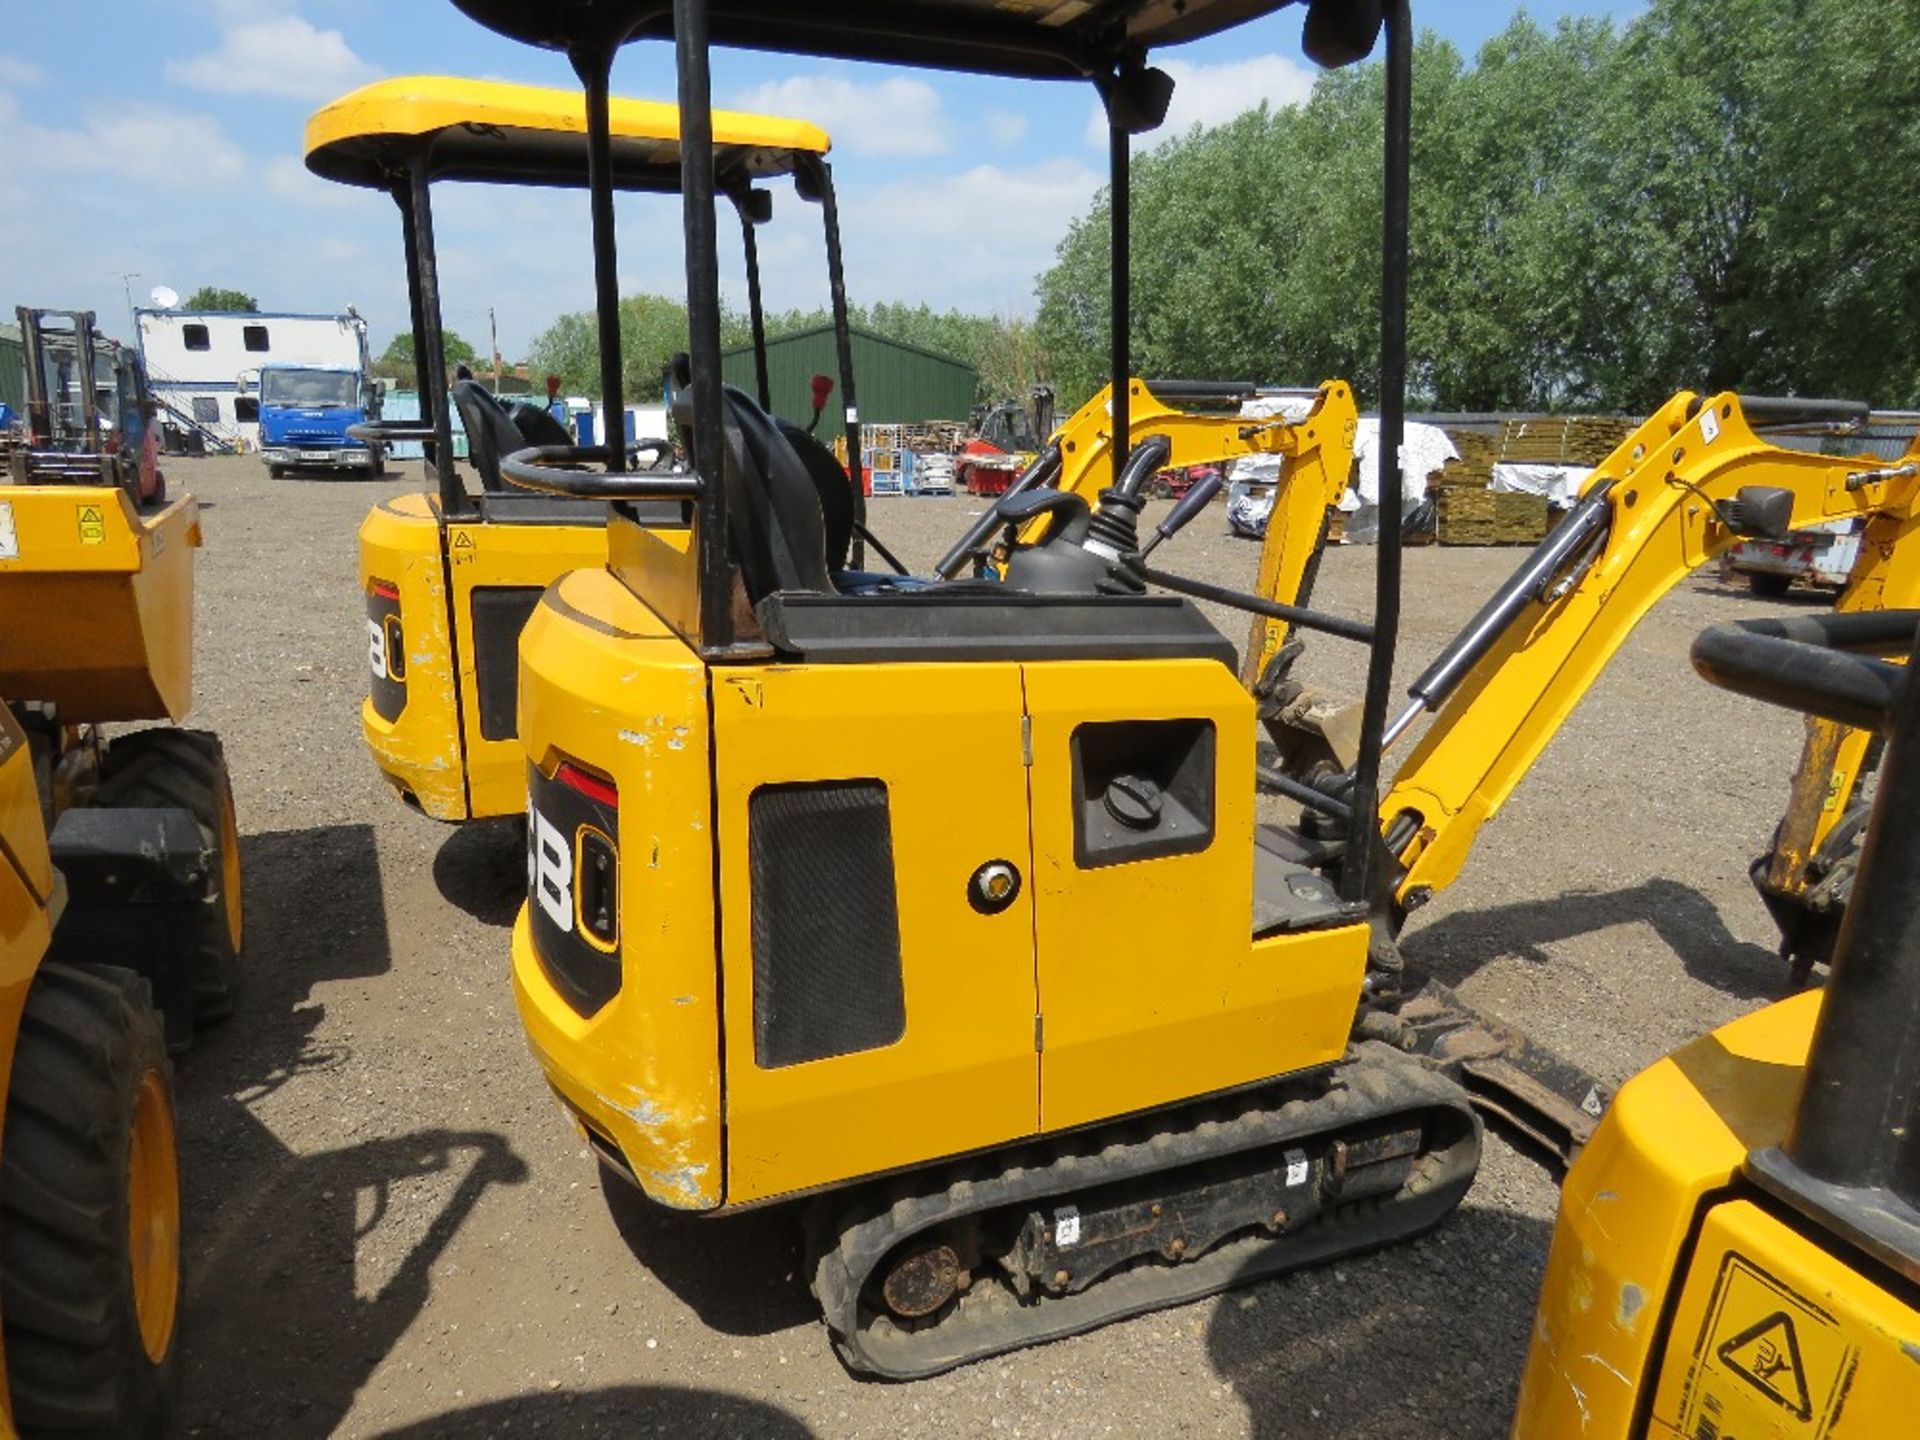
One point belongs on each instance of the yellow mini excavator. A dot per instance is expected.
(1065, 1036)
(1055, 1040)
(120, 904)
(1738, 1250)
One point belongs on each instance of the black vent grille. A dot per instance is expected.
(826, 922)
(500, 613)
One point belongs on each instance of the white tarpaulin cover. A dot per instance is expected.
(1425, 449)
(1561, 484)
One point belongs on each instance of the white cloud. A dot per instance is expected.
(1209, 95)
(281, 55)
(1005, 127)
(980, 247)
(16, 74)
(894, 116)
(140, 142)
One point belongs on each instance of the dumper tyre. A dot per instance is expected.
(89, 1210)
(169, 767)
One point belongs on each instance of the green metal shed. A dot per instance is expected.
(895, 383)
(13, 369)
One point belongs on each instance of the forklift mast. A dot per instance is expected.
(62, 406)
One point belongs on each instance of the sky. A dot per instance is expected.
(168, 152)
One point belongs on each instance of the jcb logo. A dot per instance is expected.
(550, 871)
(377, 648)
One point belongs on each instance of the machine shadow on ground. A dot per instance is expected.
(615, 1410)
(481, 868)
(345, 1240)
(1304, 1362)
(741, 1274)
(1688, 923)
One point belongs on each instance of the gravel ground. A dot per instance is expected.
(391, 1231)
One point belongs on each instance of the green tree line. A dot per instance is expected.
(1716, 194)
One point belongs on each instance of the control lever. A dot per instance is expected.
(1019, 509)
(1190, 504)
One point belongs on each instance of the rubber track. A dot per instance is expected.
(1375, 1083)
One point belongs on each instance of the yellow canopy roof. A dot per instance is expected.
(491, 131)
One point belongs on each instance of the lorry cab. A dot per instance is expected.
(451, 575)
(306, 413)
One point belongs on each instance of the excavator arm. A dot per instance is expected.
(1806, 875)
(1689, 483)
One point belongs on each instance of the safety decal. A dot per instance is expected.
(9, 536)
(1769, 1362)
(93, 524)
(462, 546)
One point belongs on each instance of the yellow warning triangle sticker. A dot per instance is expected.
(90, 515)
(462, 540)
(1767, 1356)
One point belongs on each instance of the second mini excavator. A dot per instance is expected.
(1056, 1036)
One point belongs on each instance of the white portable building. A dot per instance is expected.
(205, 363)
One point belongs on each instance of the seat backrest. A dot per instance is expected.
(773, 507)
(538, 426)
(490, 434)
(830, 482)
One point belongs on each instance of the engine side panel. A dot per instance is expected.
(411, 717)
(869, 797)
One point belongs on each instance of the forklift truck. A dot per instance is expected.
(450, 576)
(1738, 1251)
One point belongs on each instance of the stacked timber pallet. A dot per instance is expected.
(1468, 513)
(1563, 439)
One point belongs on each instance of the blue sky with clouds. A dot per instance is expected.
(179, 159)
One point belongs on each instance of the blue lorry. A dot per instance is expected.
(304, 414)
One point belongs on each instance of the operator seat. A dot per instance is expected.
(773, 508)
(490, 434)
(538, 426)
(830, 480)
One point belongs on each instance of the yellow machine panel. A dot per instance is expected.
(109, 594)
(23, 835)
(1777, 1339)
(1676, 1132)
(818, 769)
(495, 575)
(642, 1073)
(1150, 989)
(420, 577)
